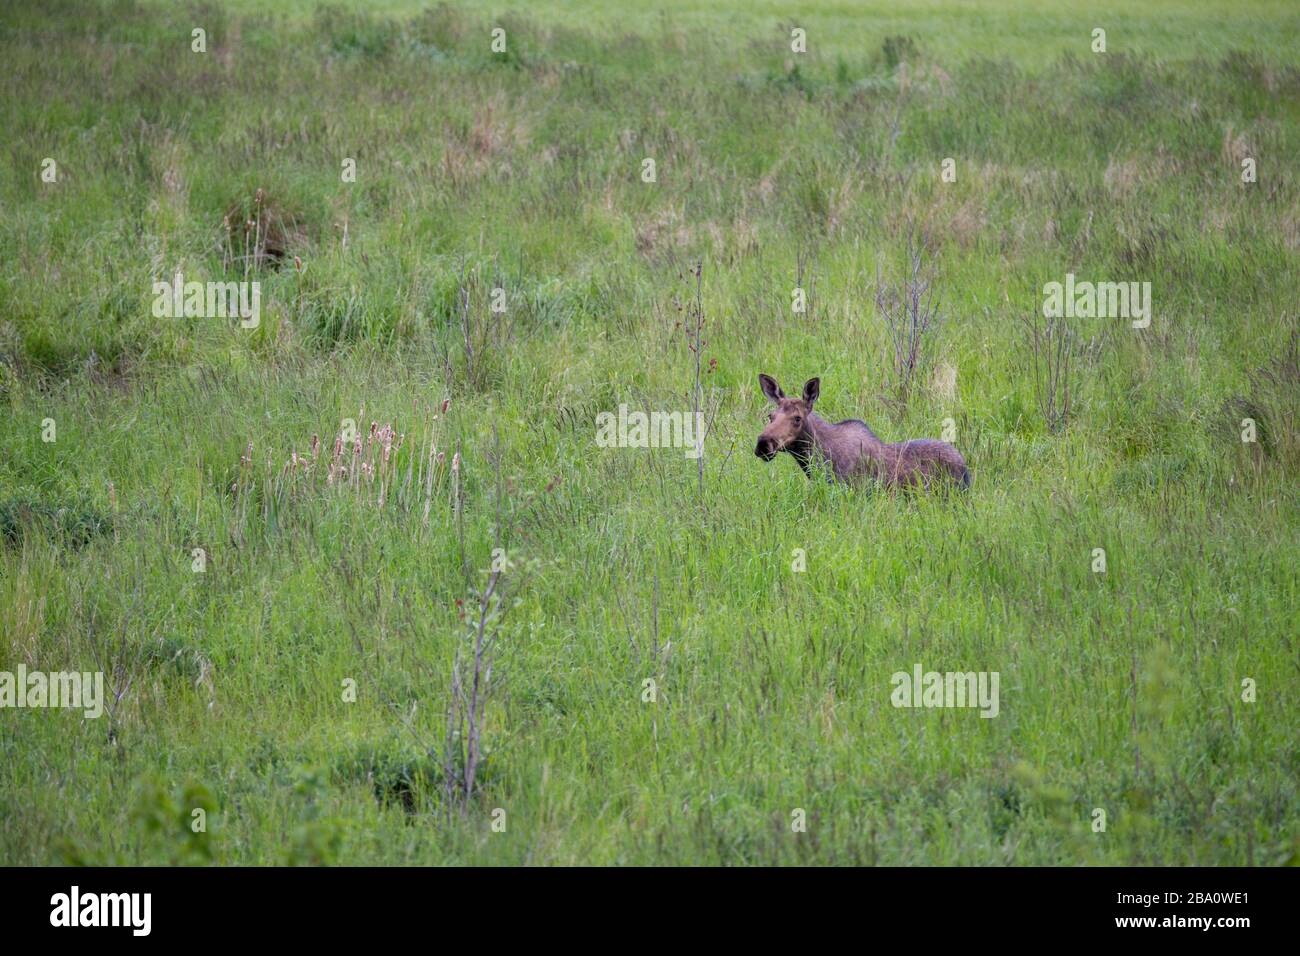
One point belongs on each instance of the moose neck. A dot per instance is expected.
(820, 436)
(817, 431)
(825, 434)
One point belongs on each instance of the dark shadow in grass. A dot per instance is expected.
(75, 525)
(396, 775)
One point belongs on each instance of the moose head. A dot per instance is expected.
(788, 420)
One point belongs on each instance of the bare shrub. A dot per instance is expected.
(909, 311)
(482, 333)
(1051, 345)
(703, 406)
(471, 671)
(805, 278)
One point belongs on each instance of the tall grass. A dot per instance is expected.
(1120, 690)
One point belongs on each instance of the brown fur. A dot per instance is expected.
(850, 448)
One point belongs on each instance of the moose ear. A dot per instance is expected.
(811, 389)
(772, 390)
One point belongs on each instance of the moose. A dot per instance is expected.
(850, 448)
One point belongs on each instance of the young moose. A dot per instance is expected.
(850, 447)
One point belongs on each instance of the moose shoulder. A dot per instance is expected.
(851, 449)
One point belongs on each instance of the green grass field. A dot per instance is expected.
(297, 688)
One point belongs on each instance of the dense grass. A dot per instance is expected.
(1120, 691)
